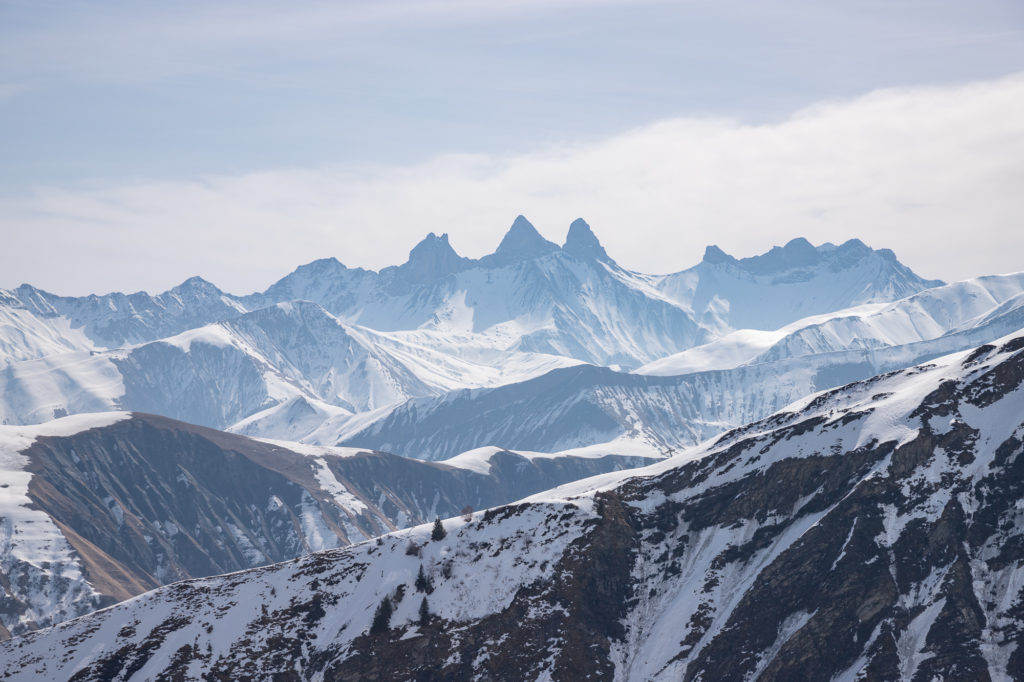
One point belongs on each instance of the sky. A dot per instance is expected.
(145, 142)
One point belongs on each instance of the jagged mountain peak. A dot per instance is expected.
(521, 242)
(317, 270)
(430, 245)
(855, 245)
(196, 286)
(800, 253)
(431, 259)
(713, 254)
(728, 293)
(797, 253)
(582, 242)
(323, 264)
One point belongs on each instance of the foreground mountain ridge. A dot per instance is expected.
(868, 532)
(98, 508)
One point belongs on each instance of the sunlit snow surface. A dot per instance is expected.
(479, 459)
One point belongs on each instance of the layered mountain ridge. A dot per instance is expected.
(339, 343)
(683, 399)
(382, 301)
(868, 532)
(366, 402)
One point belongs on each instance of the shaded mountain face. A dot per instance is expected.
(138, 501)
(869, 532)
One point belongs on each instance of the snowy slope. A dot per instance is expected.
(867, 532)
(223, 373)
(25, 335)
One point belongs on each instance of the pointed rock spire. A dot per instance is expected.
(582, 243)
(713, 254)
(521, 242)
(431, 259)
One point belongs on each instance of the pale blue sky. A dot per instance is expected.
(110, 95)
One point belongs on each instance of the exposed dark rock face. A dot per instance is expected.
(872, 532)
(150, 500)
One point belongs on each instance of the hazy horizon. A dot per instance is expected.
(145, 144)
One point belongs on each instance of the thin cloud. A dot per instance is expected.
(933, 173)
(140, 42)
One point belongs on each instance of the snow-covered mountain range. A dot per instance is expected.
(221, 373)
(329, 352)
(688, 397)
(867, 532)
(152, 439)
(530, 294)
